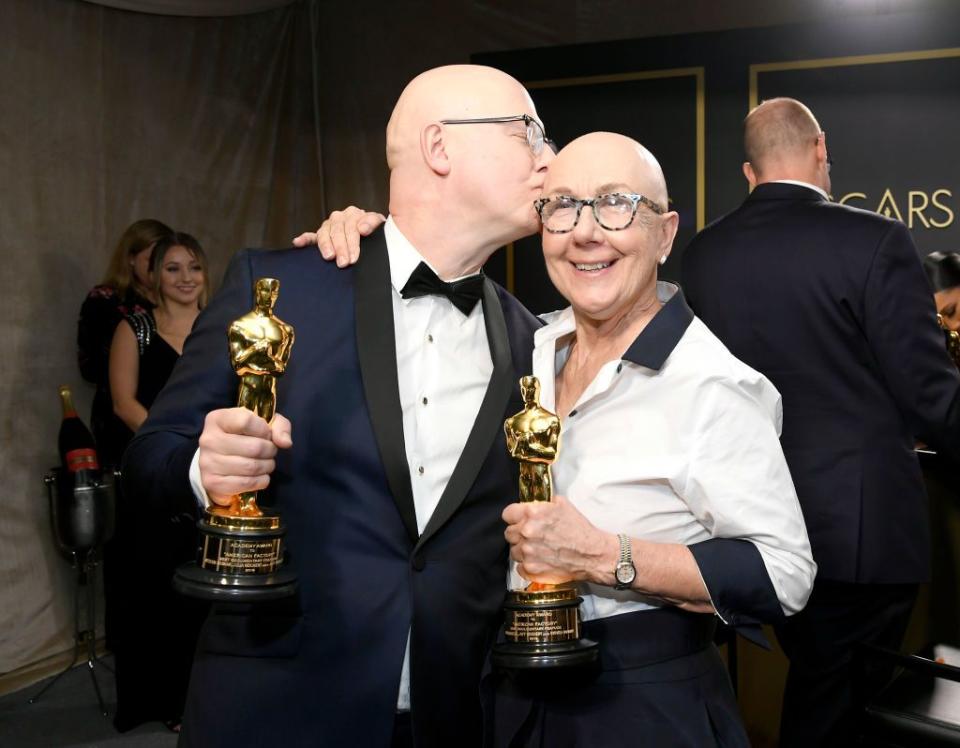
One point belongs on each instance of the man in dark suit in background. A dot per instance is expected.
(831, 304)
(393, 477)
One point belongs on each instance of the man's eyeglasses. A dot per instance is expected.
(535, 136)
(613, 212)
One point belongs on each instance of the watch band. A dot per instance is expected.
(625, 572)
(625, 550)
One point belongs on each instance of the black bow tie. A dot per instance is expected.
(464, 293)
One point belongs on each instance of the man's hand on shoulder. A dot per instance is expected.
(237, 451)
(339, 236)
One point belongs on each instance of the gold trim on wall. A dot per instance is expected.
(701, 128)
(836, 62)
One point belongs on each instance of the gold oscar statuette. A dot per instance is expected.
(241, 545)
(542, 621)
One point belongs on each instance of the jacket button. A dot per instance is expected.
(418, 563)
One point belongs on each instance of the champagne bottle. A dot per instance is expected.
(78, 451)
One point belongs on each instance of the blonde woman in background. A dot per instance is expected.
(156, 629)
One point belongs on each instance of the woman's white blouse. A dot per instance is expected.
(678, 449)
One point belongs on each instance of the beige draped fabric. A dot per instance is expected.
(106, 117)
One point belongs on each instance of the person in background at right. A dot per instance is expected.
(941, 474)
(831, 304)
(943, 270)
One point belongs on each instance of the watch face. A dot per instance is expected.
(625, 573)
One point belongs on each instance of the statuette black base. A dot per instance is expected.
(531, 656)
(241, 559)
(206, 584)
(542, 630)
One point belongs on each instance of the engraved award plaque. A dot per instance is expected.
(541, 621)
(241, 548)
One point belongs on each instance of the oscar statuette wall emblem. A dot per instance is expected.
(541, 621)
(241, 548)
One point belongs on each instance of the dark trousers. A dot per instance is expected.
(660, 683)
(402, 731)
(826, 690)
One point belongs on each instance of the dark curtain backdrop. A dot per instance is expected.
(194, 7)
(241, 129)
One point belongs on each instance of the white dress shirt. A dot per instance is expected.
(443, 369)
(681, 451)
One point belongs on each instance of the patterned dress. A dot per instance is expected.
(102, 311)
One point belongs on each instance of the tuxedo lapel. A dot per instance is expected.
(489, 421)
(377, 348)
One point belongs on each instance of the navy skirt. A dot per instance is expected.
(660, 682)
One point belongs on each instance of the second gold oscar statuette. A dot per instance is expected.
(541, 621)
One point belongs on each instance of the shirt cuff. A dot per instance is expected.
(737, 581)
(196, 483)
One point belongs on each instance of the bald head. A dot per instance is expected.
(475, 179)
(779, 134)
(449, 92)
(623, 249)
(606, 162)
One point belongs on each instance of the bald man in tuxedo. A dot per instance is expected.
(386, 457)
(831, 303)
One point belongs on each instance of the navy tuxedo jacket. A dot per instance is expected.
(324, 668)
(832, 305)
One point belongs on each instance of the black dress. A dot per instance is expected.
(101, 312)
(156, 629)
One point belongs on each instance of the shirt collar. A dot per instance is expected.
(657, 340)
(803, 184)
(403, 256)
(654, 343)
(556, 325)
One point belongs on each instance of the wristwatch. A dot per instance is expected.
(625, 572)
